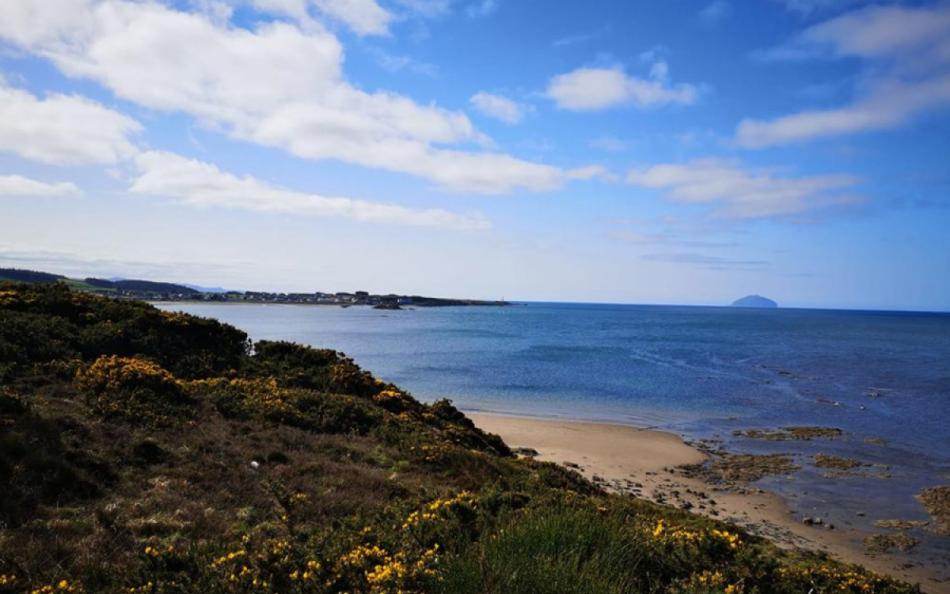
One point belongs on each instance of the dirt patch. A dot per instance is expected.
(937, 502)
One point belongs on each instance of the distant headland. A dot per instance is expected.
(754, 301)
(161, 291)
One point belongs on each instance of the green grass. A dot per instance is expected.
(80, 285)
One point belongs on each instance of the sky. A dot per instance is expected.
(686, 152)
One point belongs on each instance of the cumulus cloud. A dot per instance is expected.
(17, 186)
(738, 192)
(201, 184)
(907, 50)
(589, 89)
(62, 129)
(273, 84)
(363, 17)
(498, 107)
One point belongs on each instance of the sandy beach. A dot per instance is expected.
(641, 462)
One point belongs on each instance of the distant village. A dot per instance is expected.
(391, 301)
(163, 291)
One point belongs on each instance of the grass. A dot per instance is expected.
(144, 452)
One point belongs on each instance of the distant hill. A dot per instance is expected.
(29, 276)
(141, 286)
(754, 301)
(201, 289)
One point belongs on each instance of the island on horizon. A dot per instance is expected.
(755, 301)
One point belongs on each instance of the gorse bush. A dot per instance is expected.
(134, 389)
(146, 452)
(265, 399)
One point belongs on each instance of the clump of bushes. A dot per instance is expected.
(265, 399)
(134, 389)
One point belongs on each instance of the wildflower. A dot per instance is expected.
(228, 557)
(433, 509)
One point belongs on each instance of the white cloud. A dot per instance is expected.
(588, 89)
(17, 186)
(907, 50)
(738, 192)
(884, 31)
(890, 104)
(481, 8)
(498, 107)
(296, 9)
(808, 7)
(201, 184)
(609, 144)
(715, 12)
(426, 8)
(364, 17)
(62, 129)
(399, 63)
(274, 85)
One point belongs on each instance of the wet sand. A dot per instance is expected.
(641, 462)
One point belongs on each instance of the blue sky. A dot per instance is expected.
(643, 152)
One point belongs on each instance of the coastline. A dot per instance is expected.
(641, 462)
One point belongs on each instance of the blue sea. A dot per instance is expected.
(703, 372)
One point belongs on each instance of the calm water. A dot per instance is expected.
(700, 371)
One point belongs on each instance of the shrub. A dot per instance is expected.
(134, 389)
(306, 409)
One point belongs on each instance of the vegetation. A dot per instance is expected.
(28, 276)
(145, 452)
(885, 543)
(937, 502)
(731, 469)
(835, 462)
(796, 433)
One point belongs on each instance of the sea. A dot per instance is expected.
(705, 373)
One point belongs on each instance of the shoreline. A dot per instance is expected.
(640, 461)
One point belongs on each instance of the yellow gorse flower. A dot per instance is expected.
(663, 531)
(60, 587)
(433, 510)
(228, 557)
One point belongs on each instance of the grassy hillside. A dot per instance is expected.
(150, 452)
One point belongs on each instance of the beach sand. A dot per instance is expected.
(626, 459)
